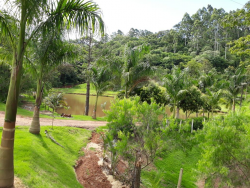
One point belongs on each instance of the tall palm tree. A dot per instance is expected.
(47, 52)
(135, 71)
(100, 79)
(211, 100)
(233, 87)
(174, 83)
(34, 16)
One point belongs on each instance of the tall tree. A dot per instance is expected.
(49, 52)
(35, 15)
(100, 79)
(174, 83)
(88, 40)
(135, 71)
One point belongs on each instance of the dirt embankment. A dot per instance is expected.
(90, 169)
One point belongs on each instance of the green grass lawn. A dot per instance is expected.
(27, 113)
(81, 88)
(40, 163)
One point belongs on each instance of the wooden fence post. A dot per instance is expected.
(180, 178)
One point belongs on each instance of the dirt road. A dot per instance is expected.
(57, 122)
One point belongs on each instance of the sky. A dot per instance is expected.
(154, 15)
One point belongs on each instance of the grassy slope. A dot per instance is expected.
(81, 88)
(40, 163)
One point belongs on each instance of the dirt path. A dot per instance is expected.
(57, 122)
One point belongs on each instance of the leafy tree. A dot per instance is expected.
(190, 100)
(152, 90)
(225, 151)
(136, 142)
(35, 16)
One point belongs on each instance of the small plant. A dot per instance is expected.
(54, 101)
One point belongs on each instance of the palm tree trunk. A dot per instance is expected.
(87, 99)
(35, 124)
(241, 97)
(88, 83)
(233, 106)
(7, 141)
(177, 112)
(94, 112)
(174, 110)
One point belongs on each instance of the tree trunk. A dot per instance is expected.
(241, 97)
(137, 171)
(7, 141)
(174, 110)
(35, 124)
(94, 111)
(126, 93)
(186, 114)
(89, 61)
(87, 99)
(246, 93)
(177, 112)
(233, 106)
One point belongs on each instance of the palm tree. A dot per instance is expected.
(233, 87)
(134, 70)
(211, 100)
(54, 101)
(207, 80)
(174, 83)
(49, 52)
(100, 79)
(34, 16)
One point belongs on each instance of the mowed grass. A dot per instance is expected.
(81, 88)
(40, 163)
(27, 113)
(168, 169)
